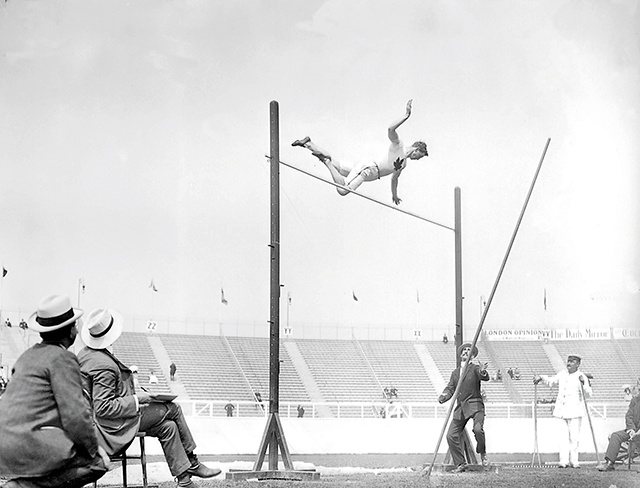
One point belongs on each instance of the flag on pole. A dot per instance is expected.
(544, 300)
(4, 271)
(289, 297)
(354, 295)
(222, 298)
(152, 285)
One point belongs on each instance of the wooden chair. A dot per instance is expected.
(629, 450)
(124, 457)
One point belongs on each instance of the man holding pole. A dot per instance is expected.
(470, 405)
(570, 407)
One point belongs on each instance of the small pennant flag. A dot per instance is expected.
(289, 297)
(354, 295)
(4, 271)
(82, 286)
(222, 298)
(152, 285)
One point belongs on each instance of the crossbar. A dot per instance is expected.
(364, 196)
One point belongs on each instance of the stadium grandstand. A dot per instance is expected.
(348, 378)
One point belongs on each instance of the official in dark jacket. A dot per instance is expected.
(46, 432)
(469, 405)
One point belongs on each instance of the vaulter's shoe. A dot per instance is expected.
(606, 467)
(461, 468)
(301, 142)
(200, 470)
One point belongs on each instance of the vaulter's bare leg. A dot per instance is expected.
(338, 172)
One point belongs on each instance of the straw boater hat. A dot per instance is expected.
(53, 313)
(102, 328)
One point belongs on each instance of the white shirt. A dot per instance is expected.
(569, 403)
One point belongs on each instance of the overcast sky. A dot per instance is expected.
(133, 136)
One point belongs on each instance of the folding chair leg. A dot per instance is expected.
(124, 471)
(143, 462)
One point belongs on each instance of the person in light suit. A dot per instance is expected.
(47, 438)
(120, 412)
(569, 407)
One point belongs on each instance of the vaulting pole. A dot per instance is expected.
(427, 471)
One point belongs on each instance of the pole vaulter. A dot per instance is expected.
(273, 438)
(427, 470)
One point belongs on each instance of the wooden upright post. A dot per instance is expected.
(273, 436)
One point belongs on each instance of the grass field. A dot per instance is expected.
(396, 471)
(404, 471)
(504, 478)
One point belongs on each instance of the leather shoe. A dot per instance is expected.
(184, 481)
(485, 461)
(201, 471)
(461, 468)
(606, 467)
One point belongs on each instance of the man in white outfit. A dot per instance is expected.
(572, 383)
(392, 164)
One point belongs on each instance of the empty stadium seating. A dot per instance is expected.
(336, 372)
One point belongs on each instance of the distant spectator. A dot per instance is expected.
(172, 371)
(153, 379)
(627, 393)
(300, 411)
(136, 381)
(229, 407)
(3, 385)
(516, 373)
(259, 400)
(393, 392)
(385, 393)
(23, 324)
(498, 375)
(7, 322)
(445, 339)
(510, 372)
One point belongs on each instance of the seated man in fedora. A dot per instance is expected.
(120, 412)
(47, 437)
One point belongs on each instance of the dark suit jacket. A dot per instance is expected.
(109, 384)
(632, 418)
(469, 397)
(44, 418)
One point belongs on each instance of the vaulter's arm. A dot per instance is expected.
(393, 135)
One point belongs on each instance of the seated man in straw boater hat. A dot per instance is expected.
(46, 432)
(120, 412)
